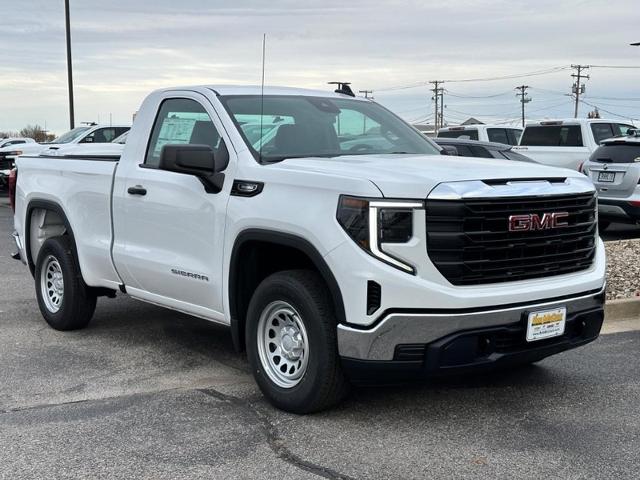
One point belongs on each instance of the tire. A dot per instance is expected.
(65, 302)
(295, 304)
(603, 225)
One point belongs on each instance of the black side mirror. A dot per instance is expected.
(449, 150)
(196, 160)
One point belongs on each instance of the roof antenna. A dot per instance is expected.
(343, 88)
(264, 42)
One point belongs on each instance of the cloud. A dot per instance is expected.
(123, 49)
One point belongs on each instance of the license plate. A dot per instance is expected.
(606, 176)
(546, 324)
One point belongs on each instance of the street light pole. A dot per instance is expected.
(69, 67)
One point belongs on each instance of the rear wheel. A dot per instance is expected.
(291, 342)
(65, 302)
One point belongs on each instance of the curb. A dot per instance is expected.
(622, 309)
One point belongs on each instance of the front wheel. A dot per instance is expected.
(65, 302)
(291, 342)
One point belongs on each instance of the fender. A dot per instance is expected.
(48, 205)
(287, 240)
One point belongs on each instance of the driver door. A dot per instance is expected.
(168, 230)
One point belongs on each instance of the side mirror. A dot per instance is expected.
(196, 160)
(449, 150)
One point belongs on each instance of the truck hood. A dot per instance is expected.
(414, 176)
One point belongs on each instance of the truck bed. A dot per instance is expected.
(81, 187)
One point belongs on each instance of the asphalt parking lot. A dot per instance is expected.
(147, 393)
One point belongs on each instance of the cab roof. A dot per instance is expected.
(224, 90)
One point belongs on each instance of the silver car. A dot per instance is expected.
(614, 168)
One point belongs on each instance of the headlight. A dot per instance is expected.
(15, 153)
(372, 222)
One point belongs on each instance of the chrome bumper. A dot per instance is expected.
(379, 342)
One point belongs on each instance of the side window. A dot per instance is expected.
(101, 135)
(181, 121)
(601, 131)
(622, 128)
(497, 135)
(119, 131)
(464, 151)
(481, 152)
(514, 135)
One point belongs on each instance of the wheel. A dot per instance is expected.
(65, 302)
(603, 225)
(291, 342)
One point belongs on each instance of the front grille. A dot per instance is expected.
(469, 240)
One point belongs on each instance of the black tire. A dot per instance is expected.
(77, 303)
(323, 383)
(603, 225)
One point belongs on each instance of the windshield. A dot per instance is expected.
(304, 126)
(71, 135)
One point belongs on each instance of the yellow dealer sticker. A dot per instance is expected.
(546, 324)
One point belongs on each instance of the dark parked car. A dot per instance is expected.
(474, 148)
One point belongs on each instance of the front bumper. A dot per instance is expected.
(407, 345)
(617, 210)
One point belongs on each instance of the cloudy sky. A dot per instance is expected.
(124, 49)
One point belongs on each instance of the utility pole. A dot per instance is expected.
(523, 98)
(438, 94)
(578, 88)
(364, 117)
(69, 68)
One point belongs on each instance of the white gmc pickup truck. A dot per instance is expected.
(567, 143)
(343, 249)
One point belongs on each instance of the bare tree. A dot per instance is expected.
(37, 133)
(8, 134)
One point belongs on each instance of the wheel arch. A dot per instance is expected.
(240, 291)
(59, 211)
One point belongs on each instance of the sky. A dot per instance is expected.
(124, 49)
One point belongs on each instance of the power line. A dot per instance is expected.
(614, 66)
(459, 95)
(626, 117)
(482, 79)
(512, 76)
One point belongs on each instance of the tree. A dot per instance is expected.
(8, 134)
(37, 133)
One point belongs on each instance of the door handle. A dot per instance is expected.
(137, 190)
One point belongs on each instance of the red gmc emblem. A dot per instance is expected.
(533, 221)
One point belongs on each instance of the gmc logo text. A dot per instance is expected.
(533, 221)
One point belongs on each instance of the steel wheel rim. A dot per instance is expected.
(283, 345)
(52, 284)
